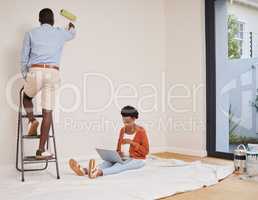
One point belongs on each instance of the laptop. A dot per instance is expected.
(110, 155)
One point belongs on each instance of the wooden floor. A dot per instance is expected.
(230, 188)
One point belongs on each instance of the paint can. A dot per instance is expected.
(252, 160)
(240, 159)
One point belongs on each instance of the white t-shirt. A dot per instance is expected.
(126, 147)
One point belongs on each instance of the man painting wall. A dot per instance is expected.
(40, 58)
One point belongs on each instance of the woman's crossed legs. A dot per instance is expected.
(105, 168)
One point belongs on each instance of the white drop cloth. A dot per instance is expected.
(159, 178)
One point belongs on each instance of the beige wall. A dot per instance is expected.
(140, 46)
(185, 29)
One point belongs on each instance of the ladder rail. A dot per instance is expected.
(18, 129)
(21, 131)
(54, 142)
(17, 143)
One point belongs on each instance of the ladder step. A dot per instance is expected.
(33, 137)
(37, 116)
(32, 159)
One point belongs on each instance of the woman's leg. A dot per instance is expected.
(118, 167)
(101, 166)
(75, 166)
(105, 164)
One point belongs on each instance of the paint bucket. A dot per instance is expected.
(240, 159)
(252, 160)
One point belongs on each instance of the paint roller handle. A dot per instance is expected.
(71, 25)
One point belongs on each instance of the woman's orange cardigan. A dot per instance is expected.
(141, 147)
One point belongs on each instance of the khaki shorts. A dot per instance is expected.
(45, 80)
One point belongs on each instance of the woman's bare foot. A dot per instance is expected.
(74, 165)
(96, 173)
(93, 171)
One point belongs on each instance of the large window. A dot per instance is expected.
(232, 76)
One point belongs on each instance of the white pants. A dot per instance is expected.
(45, 80)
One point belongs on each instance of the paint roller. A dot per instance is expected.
(67, 15)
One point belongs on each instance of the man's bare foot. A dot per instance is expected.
(32, 127)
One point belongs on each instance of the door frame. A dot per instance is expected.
(211, 82)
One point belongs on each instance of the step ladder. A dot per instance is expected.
(21, 159)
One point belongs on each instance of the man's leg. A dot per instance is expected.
(31, 87)
(44, 129)
(50, 78)
(33, 123)
(28, 105)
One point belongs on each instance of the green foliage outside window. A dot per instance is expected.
(233, 44)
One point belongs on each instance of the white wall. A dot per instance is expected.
(130, 42)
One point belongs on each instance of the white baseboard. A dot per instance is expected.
(158, 149)
(192, 152)
(200, 153)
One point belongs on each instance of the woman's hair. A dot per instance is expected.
(46, 16)
(129, 111)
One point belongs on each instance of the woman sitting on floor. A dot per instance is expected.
(132, 145)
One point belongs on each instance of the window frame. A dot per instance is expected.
(211, 82)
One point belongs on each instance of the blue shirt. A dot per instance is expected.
(43, 45)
